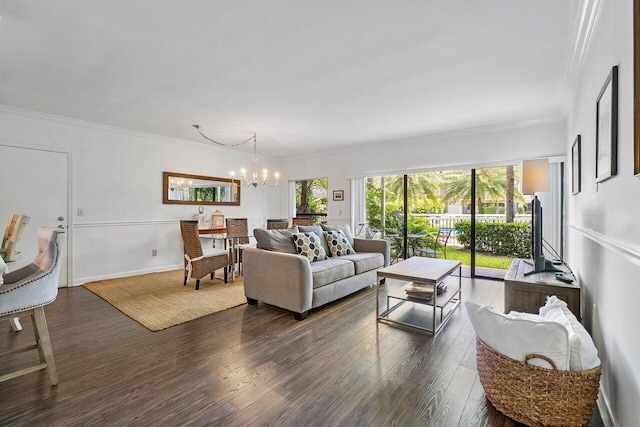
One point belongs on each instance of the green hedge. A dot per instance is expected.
(498, 238)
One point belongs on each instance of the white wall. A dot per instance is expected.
(117, 181)
(603, 242)
(459, 150)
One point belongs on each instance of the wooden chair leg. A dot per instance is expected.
(185, 281)
(197, 284)
(212, 275)
(226, 275)
(44, 343)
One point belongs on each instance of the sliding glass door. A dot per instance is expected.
(475, 216)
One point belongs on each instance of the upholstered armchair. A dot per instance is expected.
(26, 291)
(197, 262)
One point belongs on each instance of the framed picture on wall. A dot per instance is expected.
(576, 165)
(338, 195)
(607, 128)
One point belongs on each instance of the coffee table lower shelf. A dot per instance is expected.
(447, 302)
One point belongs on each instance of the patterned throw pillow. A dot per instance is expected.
(338, 243)
(308, 244)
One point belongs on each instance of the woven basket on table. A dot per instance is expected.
(537, 396)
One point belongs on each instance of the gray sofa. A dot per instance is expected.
(275, 274)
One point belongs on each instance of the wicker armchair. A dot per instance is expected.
(238, 229)
(26, 291)
(197, 263)
(301, 221)
(273, 224)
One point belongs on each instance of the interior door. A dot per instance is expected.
(35, 183)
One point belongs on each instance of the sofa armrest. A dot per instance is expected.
(374, 245)
(278, 278)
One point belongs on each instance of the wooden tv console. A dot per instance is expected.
(529, 293)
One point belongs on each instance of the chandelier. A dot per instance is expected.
(254, 179)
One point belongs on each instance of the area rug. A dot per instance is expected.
(159, 300)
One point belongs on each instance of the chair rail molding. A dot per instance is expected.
(628, 253)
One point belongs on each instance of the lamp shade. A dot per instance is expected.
(535, 176)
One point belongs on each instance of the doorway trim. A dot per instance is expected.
(69, 229)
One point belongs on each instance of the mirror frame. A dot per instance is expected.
(165, 189)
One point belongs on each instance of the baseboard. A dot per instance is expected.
(605, 410)
(82, 281)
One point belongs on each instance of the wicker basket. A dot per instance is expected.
(537, 396)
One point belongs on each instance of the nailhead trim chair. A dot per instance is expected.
(26, 291)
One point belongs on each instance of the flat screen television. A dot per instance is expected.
(540, 263)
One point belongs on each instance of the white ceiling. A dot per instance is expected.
(306, 76)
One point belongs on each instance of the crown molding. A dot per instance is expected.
(122, 131)
(586, 21)
(354, 149)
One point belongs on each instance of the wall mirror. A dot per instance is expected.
(185, 189)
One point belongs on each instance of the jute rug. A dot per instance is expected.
(159, 300)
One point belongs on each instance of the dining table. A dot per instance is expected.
(220, 234)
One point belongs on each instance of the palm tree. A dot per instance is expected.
(419, 186)
(492, 184)
(305, 190)
(509, 214)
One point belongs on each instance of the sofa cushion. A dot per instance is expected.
(318, 230)
(308, 244)
(583, 353)
(338, 243)
(365, 261)
(331, 270)
(344, 228)
(518, 337)
(276, 240)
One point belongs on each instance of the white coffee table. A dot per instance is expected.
(428, 272)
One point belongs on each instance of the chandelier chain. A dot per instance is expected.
(220, 143)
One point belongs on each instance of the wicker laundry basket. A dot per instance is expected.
(537, 396)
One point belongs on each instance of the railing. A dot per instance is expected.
(449, 221)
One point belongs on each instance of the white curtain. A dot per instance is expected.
(551, 203)
(292, 199)
(358, 203)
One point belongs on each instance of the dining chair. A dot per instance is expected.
(197, 262)
(238, 232)
(25, 292)
(301, 221)
(273, 224)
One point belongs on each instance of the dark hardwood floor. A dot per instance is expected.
(251, 366)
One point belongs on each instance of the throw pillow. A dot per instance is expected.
(583, 353)
(278, 240)
(344, 228)
(308, 244)
(338, 243)
(318, 230)
(517, 337)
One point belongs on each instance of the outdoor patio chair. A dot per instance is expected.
(438, 245)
